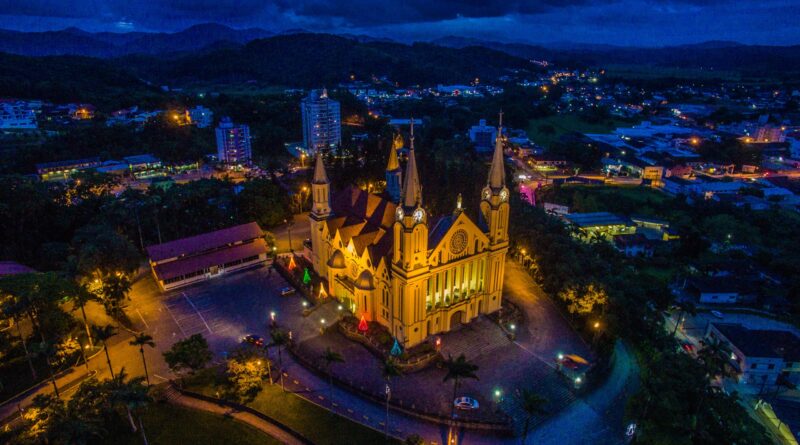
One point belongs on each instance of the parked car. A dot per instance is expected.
(254, 340)
(287, 291)
(688, 347)
(465, 403)
(718, 314)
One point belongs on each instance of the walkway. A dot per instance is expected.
(176, 398)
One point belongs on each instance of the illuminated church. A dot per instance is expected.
(386, 259)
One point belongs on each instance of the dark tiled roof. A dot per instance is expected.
(440, 228)
(205, 242)
(762, 343)
(196, 263)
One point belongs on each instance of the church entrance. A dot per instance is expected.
(456, 320)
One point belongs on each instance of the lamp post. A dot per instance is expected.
(289, 229)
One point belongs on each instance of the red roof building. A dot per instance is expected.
(201, 257)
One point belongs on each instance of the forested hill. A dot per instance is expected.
(306, 60)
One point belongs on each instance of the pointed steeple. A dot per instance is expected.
(320, 175)
(412, 195)
(393, 164)
(497, 173)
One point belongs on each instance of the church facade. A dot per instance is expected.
(385, 259)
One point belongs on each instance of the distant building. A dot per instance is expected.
(768, 134)
(200, 116)
(714, 290)
(202, 257)
(482, 136)
(322, 122)
(61, 170)
(603, 224)
(16, 115)
(759, 356)
(233, 143)
(13, 268)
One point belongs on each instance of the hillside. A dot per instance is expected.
(306, 60)
(69, 78)
(73, 41)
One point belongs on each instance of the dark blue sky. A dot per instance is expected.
(625, 22)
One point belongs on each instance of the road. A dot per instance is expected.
(227, 308)
(300, 230)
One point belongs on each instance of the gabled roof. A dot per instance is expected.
(207, 241)
(443, 226)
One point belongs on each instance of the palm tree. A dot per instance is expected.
(533, 404)
(14, 308)
(48, 350)
(141, 340)
(458, 369)
(389, 371)
(129, 394)
(81, 296)
(330, 357)
(102, 334)
(115, 289)
(280, 339)
(715, 356)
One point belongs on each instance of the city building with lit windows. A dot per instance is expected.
(322, 122)
(387, 260)
(233, 143)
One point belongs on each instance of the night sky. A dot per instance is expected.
(621, 22)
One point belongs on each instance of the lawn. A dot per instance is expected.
(168, 424)
(568, 123)
(317, 424)
(619, 199)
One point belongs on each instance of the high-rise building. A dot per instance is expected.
(390, 262)
(482, 136)
(322, 123)
(769, 133)
(233, 143)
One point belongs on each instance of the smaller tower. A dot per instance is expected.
(393, 176)
(320, 189)
(320, 211)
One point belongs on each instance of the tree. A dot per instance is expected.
(80, 296)
(330, 357)
(389, 371)
(192, 353)
(533, 405)
(115, 289)
(102, 252)
(128, 394)
(48, 351)
(142, 340)
(245, 372)
(102, 334)
(15, 308)
(458, 369)
(582, 300)
(280, 339)
(715, 356)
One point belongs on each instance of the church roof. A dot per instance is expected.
(364, 218)
(412, 190)
(439, 228)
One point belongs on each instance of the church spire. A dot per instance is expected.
(320, 175)
(393, 164)
(497, 174)
(412, 195)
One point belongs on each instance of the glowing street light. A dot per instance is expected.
(560, 356)
(272, 316)
(498, 393)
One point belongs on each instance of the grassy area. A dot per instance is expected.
(318, 424)
(620, 199)
(568, 123)
(167, 424)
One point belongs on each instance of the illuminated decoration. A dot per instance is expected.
(292, 265)
(322, 294)
(396, 350)
(438, 343)
(306, 277)
(362, 325)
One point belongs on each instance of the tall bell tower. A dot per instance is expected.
(495, 212)
(320, 211)
(393, 176)
(410, 257)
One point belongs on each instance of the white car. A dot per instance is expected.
(287, 291)
(465, 403)
(717, 314)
